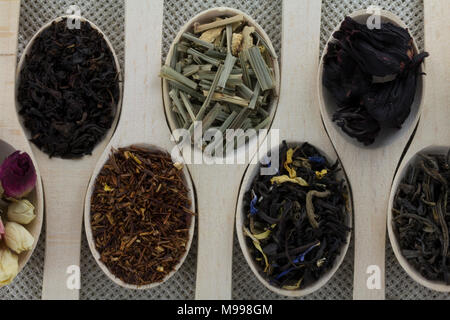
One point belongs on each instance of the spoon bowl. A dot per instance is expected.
(111, 48)
(90, 237)
(392, 230)
(328, 104)
(251, 174)
(208, 16)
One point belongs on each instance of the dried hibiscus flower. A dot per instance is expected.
(372, 75)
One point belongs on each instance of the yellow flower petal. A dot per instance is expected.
(107, 188)
(257, 246)
(321, 174)
(263, 235)
(285, 178)
(294, 287)
(292, 172)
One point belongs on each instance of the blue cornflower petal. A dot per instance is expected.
(318, 160)
(284, 273)
(301, 257)
(253, 209)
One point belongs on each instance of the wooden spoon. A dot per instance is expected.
(433, 131)
(370, 171)
(12, 137)
(217, 187)
(298, 117)
(65, 183)
(142, 121)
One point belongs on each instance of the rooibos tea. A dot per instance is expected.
(68, 89)
(372, 75)
(140, 215)
(297, 220)
(421, 216)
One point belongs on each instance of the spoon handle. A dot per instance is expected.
(217, 187)
(64, 185)
(434, 125)
(9, 28)
(10, 129)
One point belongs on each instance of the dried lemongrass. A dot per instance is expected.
(262, 72)
(169, 73)
(229, 64)
(173, 94)
(221, 62)
(197, 41)
(218, 23)
(209, 95)
(265, 45)
(204, 57)
(188, 105)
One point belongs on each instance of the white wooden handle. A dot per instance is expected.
(218, 186)
(434, 128)
(298, 114)
(143, 119)
(65, 186)
(370, 196)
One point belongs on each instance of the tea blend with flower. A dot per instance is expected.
(372, 75)
(223, 75)
(17, 180)
(140, 215)
(421, 216)
(68, 90)
(297, 220)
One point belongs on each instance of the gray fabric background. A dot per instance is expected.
(109, 16)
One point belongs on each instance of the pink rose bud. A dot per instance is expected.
(17, 175)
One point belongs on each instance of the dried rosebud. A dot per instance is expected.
(21, 212)
(17, 238)
(17, 175)
(9, 266)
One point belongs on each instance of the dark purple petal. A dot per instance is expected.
(17, 175)
(390, 102)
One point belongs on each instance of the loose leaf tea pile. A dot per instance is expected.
(422, 216)
(296, 221)
(140, 215)
(223, 76)
(68, 90)
(372, 75)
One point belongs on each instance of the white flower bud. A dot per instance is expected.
(9, 266)
(21, 212)
(17, 238)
